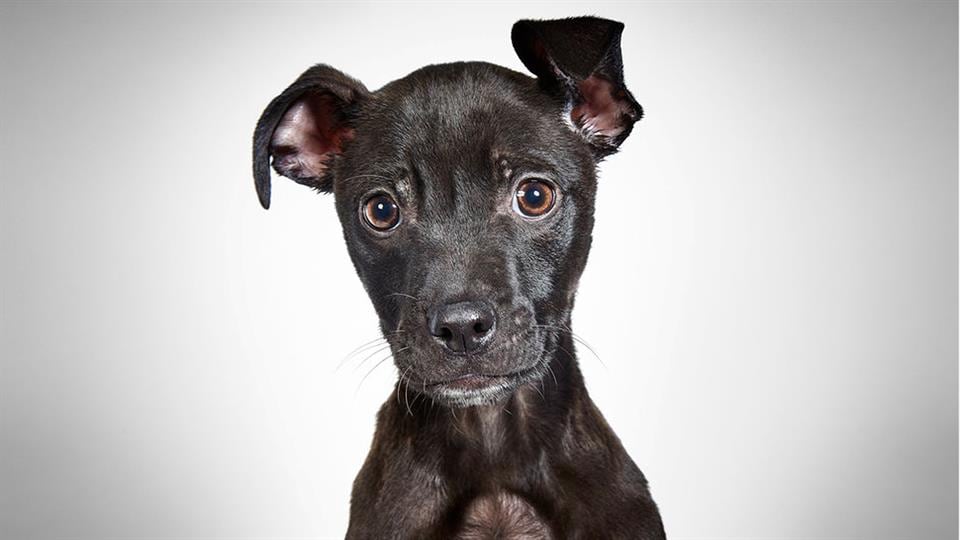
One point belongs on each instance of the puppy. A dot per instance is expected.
(466, 194)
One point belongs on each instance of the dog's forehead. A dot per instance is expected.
(461, 109)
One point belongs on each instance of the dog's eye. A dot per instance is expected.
(534, 198)
(381, 212)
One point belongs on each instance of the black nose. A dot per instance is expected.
(462, 327)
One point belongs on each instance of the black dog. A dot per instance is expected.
(466, 194)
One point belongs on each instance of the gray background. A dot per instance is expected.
(772, 289)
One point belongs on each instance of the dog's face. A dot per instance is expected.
(470, 278)
(466, 195)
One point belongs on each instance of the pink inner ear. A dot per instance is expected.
(601, 112)
(308, 135)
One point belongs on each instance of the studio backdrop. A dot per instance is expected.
(771, 296)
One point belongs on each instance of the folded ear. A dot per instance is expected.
(580, 58)
(304, 128)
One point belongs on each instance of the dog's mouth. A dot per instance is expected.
(476, 388)
(478, 381)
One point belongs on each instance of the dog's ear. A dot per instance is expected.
(579, 59)
(304, 128)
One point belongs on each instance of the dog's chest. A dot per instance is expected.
(504, 516)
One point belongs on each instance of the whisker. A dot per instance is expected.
(404, 295)
(579, 340)
(416, 395)
(375, 352)
(555, 383)
(540, 390)
(399, 382)
(406, 386)
(574, 337)
(366, 346)
(456, 422)
(375, 366)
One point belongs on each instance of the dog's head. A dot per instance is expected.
(466, 194)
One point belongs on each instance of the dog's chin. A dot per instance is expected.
(473, 390)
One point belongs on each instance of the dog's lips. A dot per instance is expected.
(477, 381)
(470, 381)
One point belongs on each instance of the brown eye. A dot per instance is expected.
(381, 212)
(534, 198)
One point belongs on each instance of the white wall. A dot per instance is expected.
(773, 285)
